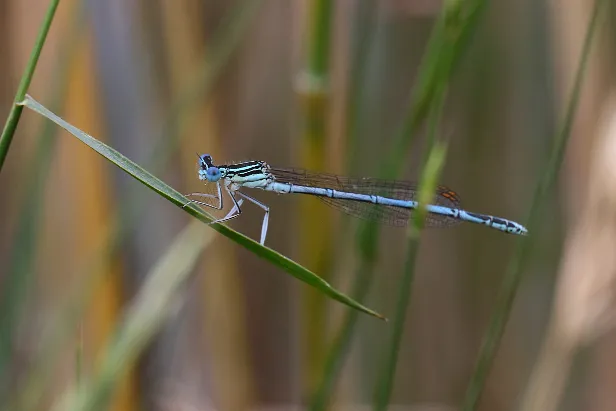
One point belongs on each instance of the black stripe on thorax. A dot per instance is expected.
(246, 169)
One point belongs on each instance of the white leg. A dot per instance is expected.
(265, 217)
(236, 208)
(219, 198)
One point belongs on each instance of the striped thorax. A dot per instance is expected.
(251, 174)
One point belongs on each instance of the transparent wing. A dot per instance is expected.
(400, 190)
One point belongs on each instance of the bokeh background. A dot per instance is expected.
(305, 83)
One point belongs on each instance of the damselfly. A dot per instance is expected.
(389, 202)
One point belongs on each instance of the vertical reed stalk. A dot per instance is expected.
(433, 161)
(15, 114)
(516, 267)
(315, 243)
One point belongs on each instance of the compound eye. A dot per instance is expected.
(213, 174)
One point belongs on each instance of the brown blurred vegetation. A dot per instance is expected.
(133, 73)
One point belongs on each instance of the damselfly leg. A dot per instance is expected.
(236, 211)
(265, 217)
(217, 197)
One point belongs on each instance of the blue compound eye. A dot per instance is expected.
(213, 174)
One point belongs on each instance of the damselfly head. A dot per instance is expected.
(205, 160)
(204, 164)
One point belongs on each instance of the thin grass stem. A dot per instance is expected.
(513, 275)
(15, 114)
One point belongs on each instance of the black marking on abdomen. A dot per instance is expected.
(479, 216)
(500, 221)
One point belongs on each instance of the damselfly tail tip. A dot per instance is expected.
(521, 230)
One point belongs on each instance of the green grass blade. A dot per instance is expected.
(455, 25)
(15, 114)
(158, 299)
(178, 199)
(433, 164)
(228, 38)
(450, 36)
(513, 276)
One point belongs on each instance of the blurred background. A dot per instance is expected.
(306, 83)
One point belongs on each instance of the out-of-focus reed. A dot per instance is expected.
(584, 307)
(317, 246)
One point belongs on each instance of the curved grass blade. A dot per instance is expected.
(178, 199)
(228, 38)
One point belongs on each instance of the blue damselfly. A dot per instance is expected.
(389, 202)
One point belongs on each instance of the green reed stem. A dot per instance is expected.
(15, 114)
(434, 159)
(513, 276)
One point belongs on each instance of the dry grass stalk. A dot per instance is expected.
(584, 305)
